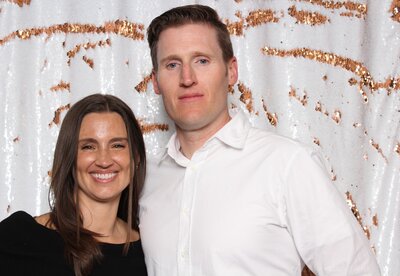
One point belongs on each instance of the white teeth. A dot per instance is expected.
(104, 176)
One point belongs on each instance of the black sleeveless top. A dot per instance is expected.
(29, 248)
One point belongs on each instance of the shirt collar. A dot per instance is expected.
(233, 134)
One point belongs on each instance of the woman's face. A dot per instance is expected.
(103, 159)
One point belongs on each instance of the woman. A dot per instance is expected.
(98, 172)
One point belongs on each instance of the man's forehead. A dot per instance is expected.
(198, 32)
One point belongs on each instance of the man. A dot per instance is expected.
(226, 199)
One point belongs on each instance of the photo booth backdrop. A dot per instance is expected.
(326, 73)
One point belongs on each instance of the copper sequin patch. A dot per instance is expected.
(352, 8)
(272, 117)
(337, 116)
(395, 10)
(102, 43)
(377, 147)
(61, 86)
(306, 17)
(146, 128)
(142, 86)
(397, 148)
(57, 114)
(246, 97)
(20, 2)
(375, 220)
(120, 27)
(254, 18)
(88, 61)
(303, 100)
(356, 213)
(330, 58)
(333, 175)
(316, 141)
(319, 108)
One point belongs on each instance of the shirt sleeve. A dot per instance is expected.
(326, 234)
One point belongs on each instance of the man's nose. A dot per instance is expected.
(188, 76)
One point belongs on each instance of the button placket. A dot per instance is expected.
(188, 197)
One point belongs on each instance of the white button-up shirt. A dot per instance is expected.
(249, 202)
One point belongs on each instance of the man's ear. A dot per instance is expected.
(155, 82)
(232, 71)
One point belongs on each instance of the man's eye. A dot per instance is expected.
(172, 65)
(203, 61)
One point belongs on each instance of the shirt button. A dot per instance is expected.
(185, 211)
(183, 254)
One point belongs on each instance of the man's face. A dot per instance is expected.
(193, 78)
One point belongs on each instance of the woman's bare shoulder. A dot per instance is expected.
(45, 220)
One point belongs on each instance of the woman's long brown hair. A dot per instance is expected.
(81, 248)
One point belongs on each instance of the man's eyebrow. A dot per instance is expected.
(170, 57)
(176, 57)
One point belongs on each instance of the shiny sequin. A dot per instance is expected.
(146, 128)
(395, 10)
(20, 2)
(102, 43)
(246, 97)
(333, 175)
(375, 220)
(303, 100)
(390, 84)
(319, 107)
(272, 117)
(330, 58)
(120, 27)
(88, 61)
(397, 148)
(142, 86)
(352, 8)
(254, 18)
(61, 86)
(337, 116)
(377, 147)
(306, 17)
(356, 213)
(352, 81)
(57, 114)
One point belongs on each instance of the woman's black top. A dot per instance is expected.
(29, 248)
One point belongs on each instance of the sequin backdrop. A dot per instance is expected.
(324, 72)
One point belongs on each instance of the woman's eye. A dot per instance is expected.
(118, 146)
(87, 147)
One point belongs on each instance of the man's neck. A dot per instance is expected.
(191, 141)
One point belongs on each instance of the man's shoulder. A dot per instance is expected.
(265, 138)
